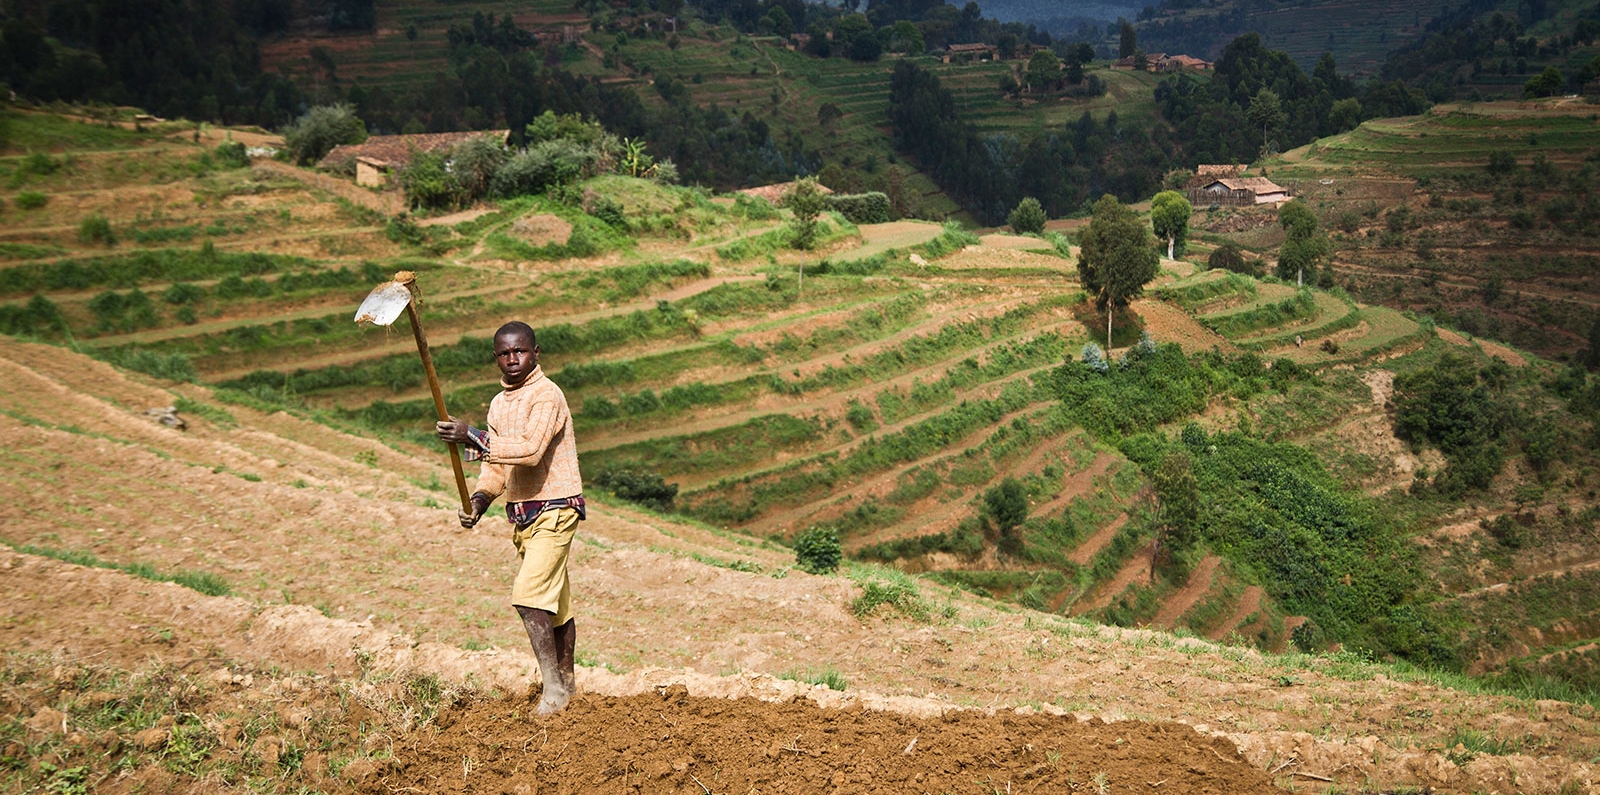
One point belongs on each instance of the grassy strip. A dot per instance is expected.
(1348, 320)
(143, 267)
(740, 445)
(831, 228)
(204, 582)
(1003, 361)
(1197, 294)
(1300, 305)
(952, 239)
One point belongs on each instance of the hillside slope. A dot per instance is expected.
(409, 624)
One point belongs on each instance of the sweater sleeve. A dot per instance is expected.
(527, 448)
(491, 478)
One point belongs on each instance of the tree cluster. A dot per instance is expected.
(1454, 406)
(989, 174)
(174, 58)
(1259, 99)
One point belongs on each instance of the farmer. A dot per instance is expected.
(530, 457)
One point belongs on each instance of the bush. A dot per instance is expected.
(818, 551)
(542, 165)
(184, 293)
(312, 136)
(639, 487)
(96, 229)
(861, 208)
(38, 316)
(232, 154)
(1028, 217)
(31, 200)
(1229, 257)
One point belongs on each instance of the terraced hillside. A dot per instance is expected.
(1421, 221)
(896, 399)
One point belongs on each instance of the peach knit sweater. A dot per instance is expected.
(533, 454)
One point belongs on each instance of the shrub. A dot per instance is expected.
(638, 487)
(31, 200)
(310, 137)
(542, 165)
(860, 416)
(1229, 257)
(184, 293)
(818, 551)
(1028, 217)
(38, 316)
(96, 229)
(232, 154)
(861, 208)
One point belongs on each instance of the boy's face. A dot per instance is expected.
(516, 355)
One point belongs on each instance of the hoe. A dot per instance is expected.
(382, 306)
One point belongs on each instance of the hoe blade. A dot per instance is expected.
(384, 304)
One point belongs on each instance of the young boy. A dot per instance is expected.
(529, 456)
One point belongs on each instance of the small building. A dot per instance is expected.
(1238, 191)
(1150, 61)
(976, 51)
(373, 160)
(799, 41)
(1182, 63)
(371, 172)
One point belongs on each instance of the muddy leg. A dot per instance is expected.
(542, 636)
(566, 648)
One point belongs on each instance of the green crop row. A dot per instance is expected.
(143, 267)
(1298, 306)
(744, 498)
(1198, 294)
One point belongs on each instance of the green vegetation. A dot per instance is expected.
(204, 582)
(817, 550)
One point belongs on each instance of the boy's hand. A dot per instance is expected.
(480, 503)
(452, 431)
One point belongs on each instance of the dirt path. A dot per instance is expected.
(1077, 484)
(1092, 545)
(1135, 569)
(1249, 603)
(1198, 585)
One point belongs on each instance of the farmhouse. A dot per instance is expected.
(377, 157)
(971, 52)
(1182, 63)
(1238, 190)
(1162, 62)
(1150, 61)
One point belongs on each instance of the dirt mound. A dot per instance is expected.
(668, 741)
(542, 229)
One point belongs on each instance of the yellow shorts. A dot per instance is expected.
(542, 580)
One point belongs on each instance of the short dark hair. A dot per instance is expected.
(517, 327)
